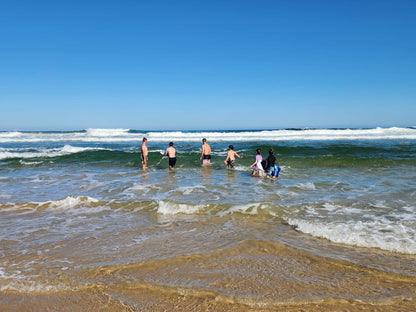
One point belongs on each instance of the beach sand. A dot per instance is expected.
(252, 276)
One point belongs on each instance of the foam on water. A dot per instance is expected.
(394, 232)
(69, 203)
(308, 186)
(141, 188)
(186, 190)
(106, 132)
(250, 209)
(170, 208)
(382, 233)
(30, 163)
(89, 135)
(16, 281)
(125, 135)
(8, 153)
(279, 135)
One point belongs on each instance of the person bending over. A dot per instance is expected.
(230, 160)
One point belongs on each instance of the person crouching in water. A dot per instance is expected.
(272, 168)
(171, 153)
(230, 160)
(258, 168)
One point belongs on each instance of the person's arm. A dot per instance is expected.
(202, 153)
(238, 155)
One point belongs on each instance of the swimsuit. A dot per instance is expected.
(230, 163)
(206, 159)
(172, 162)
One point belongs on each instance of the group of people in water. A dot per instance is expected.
(259, 166)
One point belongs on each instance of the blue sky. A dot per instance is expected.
(207, 64)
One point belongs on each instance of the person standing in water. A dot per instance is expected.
(206, 152)
(171, 153)
(272, 168)
(144, 154)
(230, 160)
(258, 168)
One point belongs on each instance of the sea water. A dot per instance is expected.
(79, 216)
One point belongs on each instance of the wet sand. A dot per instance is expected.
(251, 276)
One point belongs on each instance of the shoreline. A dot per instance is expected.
(252, 276)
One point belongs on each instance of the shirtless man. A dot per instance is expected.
(206, 152)
(171, 153)
(144, 154)
(230, 160)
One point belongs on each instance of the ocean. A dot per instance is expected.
(84, 228)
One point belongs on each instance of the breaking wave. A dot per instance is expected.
(126, 135)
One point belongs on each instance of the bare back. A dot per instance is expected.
(231, 155)
(206, 149)
(171, 152)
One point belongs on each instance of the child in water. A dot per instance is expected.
(258, 168)
(230, 160)
(272, 169)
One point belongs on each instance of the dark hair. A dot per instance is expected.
(144, 139)
(231, 147)
(171, 144)
(258, 151)
(271, 151)
(204, 140)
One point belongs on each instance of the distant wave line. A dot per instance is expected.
(127, 135)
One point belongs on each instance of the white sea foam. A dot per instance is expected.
(69, 203)
(16, 281)
(279, 135)
(186, 190)
(252, 209)
(89, 135)
(107, 132)
(31, 287)
(141, 188)
(241, 168)
(8, 153)
(309, 186)
(29, 163)
(170, 208)
(125, 135)
(382, 233)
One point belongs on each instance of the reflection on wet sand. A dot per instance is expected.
(192, 264)
(251, 276)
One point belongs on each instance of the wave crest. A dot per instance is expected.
(127, 135)
(370, 234)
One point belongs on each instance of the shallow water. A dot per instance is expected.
(83, 227)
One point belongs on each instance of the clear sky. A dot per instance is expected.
(228, 64)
